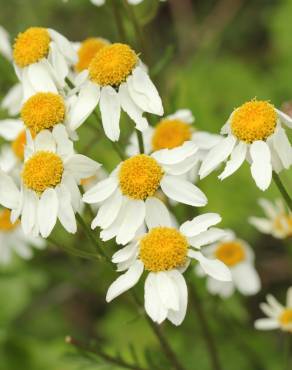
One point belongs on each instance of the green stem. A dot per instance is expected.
(287, 351)
(282, 190)
(210, 343)
(140, 142)
(119, 22)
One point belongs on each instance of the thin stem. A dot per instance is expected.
(108, 358)
(282, 190)
(140, 142)
(119, 22)
(169, 353)
(210, 343)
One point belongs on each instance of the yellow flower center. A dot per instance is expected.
(42, 171)
(286, 318)
(43, 111)
(87, 51)
(31, 46)
(170, 133)
(18, 145)
(5, 223)
(112, 64)
(283, 223)
(162, 249)
(230, 253)
(254, 120)
(140, 176)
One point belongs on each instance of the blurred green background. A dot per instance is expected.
(209, 56)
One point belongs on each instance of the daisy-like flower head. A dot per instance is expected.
(86, 50)
(49, 183)
(127, 196)
(278, 221)
(279, 317)
(116, 79)
(239, 257)
(254, 132)
(42, 58)
(165, 252)
(13, 240)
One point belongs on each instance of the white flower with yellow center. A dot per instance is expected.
(239, 257)
(254, 132)
(13, 240)
(115, 79)
(42, 58)
(279, 316)
(13, 100)
(127, 196)
(278, 221)
(172, 132)
(49, 183)
(165, 252)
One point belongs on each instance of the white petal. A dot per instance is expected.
(266, 324)
(268, 207)
(177, 317)
(125, 281)
(58, 62)
(182, 167)
(10, 128)
(64, 46)
(184, 115)
(85, 104)
(289, 298)
(110, 110)
(283, 147)
(285, 118)
(268, 310)
(133, 219)
(29, 211)
(156, 213)
(207, 237)
(144, 93)
(40, 78)
(47, 211)
(200, 224)
(5, 46)
(45, 141)
(134, 112)
(81, 166)
(9, 193)
(125, 253)
(12, 101)
(65, 212)
(72, 187)
(219, 153)
(212, 267)
(261, 167)
(183, 191)
(275, 304)
(237, 157)
(262, 224)
(64, 144)
(153, 305)
(167, 291)
(205, 140)
(175, 155)
(101, 191)
(246, 278)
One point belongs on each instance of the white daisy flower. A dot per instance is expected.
(5, 46)
(239, 257)
(42, 58)
(12, 101)
(279, 317)
(254, 132)
(164, 252)
(278, 221)
(171, 132)
(127, 196)
(13, 240)
(49, 183)
(116, 79)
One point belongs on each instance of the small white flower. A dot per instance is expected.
(239, 257)
(42, 59)
(127, 196)
(165, 252)
(5, 47)
(278, 221)
(49, 183)
(13, 240)
(12, 101)
(279, 317)
(254, 132)
(115, 79)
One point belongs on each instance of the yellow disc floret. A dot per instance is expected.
(170, 133)
(87, 51)
(162, 249)
(112, 64)
(5, 223)
(18, 145)
(42, 171)
(31, 46)
(140, 176)
(254, 120)
(286, 319)
(43, 111)
(230, 253)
